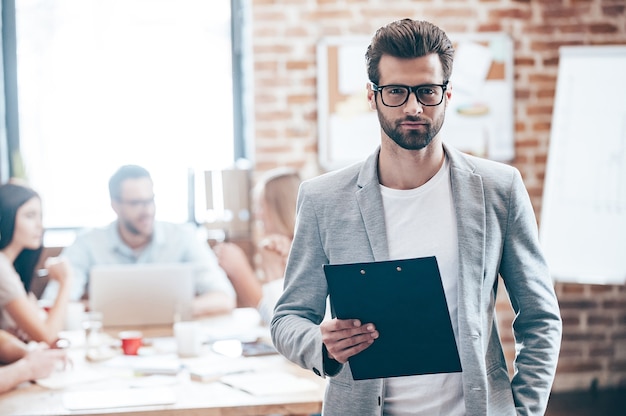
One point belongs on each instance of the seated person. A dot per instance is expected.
(20, 363)
(21, 233)
(275, 211)
(135, 237)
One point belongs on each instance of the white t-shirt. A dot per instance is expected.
(420, 223)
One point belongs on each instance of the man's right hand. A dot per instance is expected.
(344, 338)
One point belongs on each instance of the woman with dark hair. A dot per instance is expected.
(21, 233)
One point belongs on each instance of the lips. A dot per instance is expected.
(413, 124)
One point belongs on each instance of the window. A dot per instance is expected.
(101, 83)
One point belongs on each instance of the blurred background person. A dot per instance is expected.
(20, 362)
(21, 236)
(274, 200)
(135, 237)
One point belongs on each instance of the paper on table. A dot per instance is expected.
(62, 379)
(106, 399)
(167, 364)
(264, 384)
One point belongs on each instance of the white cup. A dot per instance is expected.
(74, 316)
(188, 339)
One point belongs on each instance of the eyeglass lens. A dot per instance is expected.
(395, 96)
(136, 203)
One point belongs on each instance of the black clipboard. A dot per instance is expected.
(406, 302)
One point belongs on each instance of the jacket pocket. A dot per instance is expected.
(500, 396)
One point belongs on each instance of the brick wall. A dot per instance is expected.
(284, 36)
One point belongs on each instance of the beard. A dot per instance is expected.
(128, 225)
(412, 139)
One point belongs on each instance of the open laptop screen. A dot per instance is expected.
(141, 294)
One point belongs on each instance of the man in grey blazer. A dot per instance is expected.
(416, 197)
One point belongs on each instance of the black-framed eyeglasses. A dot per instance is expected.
(429, 95)
(136, 203)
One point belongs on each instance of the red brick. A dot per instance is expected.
(322, 15)
(602, 28)
(559, 13)
(273, 50)
(300, 99)
(602, 351)
(614, 304)
(299, 65)
(265, 66)
(602, 289)
(577, 367)
(524, 61)
(572, 321)
(509, 14)
(619, 335)
(489, 27)
(578, 304)
(600, 320)
(541, 29)
(567, 352)
(551, 61)
(546, 93)
(570, 288)
(618, 366)
(450, 13)
(578, 335)
(542, 126)
(613, 10)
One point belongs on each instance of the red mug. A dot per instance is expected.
(131, 341)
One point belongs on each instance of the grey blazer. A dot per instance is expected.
(340, 220)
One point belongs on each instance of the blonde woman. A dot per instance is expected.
(274, 199)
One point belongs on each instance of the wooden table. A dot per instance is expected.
(114, 378)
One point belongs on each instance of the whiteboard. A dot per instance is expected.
(583, 217)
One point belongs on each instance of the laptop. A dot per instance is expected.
(141, 294)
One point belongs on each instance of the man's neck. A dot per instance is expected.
(135, 241)
(399, 168)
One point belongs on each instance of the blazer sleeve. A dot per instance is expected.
(537, 325)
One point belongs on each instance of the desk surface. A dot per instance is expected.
(245, 392)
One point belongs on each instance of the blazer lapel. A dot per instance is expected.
(370, 202)
(469, 205)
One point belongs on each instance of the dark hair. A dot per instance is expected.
(123, 173)
(408, 38)
(12, 197)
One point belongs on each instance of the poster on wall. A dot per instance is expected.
(479, 118)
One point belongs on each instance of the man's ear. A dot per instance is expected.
(371, 97)
(115, 206)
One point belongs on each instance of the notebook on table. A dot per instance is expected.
(141, 294)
